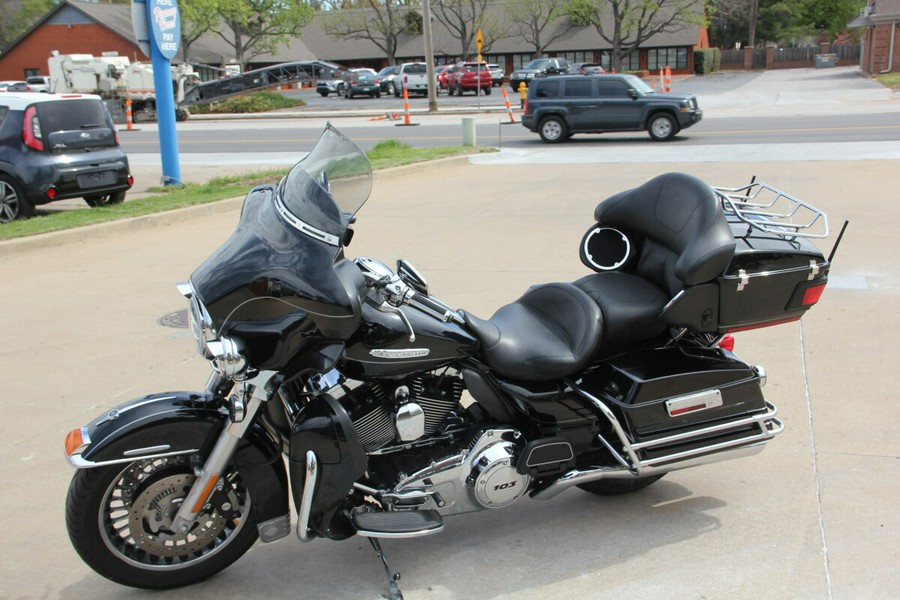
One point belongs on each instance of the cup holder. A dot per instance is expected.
(605, 249)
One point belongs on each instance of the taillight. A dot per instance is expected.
(51, 192)
(812, 295)
(130, 180)
(727, 343)
(31, 129)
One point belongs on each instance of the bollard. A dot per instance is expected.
(128, 121)
(468, 127)
(512, 119)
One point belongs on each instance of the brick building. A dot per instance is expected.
(881, 41)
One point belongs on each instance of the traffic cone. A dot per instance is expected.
(668, 79)
(406, 120)
(128, 120)
(512, 119)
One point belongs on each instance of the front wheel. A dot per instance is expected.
(120, 523)
(615, 487)
(662, 127)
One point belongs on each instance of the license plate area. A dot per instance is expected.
(96, 180)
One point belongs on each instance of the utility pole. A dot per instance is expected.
(429, 57)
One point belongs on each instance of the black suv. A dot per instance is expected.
(558, 107)
(539, 67)
(57, 147)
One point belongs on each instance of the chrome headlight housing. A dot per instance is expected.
(200, 321)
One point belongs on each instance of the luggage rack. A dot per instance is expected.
(768, 209)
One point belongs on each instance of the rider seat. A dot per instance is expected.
(550, 332)
(684, 243)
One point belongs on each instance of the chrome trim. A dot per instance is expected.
(79, 463)
(691, 403)
(617, 427)
(309, 490)
(148, 450)
(399, 353)
(303, 227)
(771, 210)
(228, 357)
(412, 534)
(769, 426)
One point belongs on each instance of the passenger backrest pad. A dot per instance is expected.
(687, 239)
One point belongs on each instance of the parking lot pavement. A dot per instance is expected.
(813, 516)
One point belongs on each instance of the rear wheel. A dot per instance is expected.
(389, 89)
(105, 199)
(615, 487)
(13, 203)
(120, 522)
(553, 130)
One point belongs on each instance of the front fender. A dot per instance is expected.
(181, 423)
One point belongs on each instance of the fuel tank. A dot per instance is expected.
(382, 346)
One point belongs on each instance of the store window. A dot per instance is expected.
(632, 62)
(660, 58)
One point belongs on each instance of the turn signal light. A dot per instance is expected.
(76, 441)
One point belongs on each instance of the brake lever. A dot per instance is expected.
(393, 309)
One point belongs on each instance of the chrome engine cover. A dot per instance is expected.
(482, 476)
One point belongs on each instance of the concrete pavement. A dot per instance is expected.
(813, 516)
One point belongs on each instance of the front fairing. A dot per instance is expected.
(281, 278)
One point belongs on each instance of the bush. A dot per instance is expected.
(255, 102)
(707, 60)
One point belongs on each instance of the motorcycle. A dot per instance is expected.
(379, 410)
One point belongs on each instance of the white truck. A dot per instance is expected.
(413, 77)
(114, 77)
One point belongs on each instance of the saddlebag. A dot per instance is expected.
(665, 391)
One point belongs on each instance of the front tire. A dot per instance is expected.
(616, 487)
(119, 519)
(553, 130)
(662, 127)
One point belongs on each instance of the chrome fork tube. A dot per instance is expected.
(252, 395)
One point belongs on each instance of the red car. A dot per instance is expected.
(441, 72)
(469, 76)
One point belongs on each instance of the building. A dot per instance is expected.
(75, 27)
(881, 44)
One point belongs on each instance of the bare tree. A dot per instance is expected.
(627, 24)
(381, 22)
(538, 22)
(255, 27)
(463, 19)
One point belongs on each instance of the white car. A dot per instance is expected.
(13, 85)
(39, 83)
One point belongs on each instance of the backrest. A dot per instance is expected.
(686, 239)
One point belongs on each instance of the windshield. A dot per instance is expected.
(638, 84)
(538, 64)
(323, 191)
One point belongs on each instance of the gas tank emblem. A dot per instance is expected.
(403, 353)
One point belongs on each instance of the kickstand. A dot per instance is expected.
(392, 578)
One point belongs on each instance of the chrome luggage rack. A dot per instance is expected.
(768, 209)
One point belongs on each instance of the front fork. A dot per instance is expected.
(244, 405)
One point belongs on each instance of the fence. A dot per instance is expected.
(785, 58)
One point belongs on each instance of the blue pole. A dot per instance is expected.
(165, 101)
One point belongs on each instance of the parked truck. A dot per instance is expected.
(116, 78)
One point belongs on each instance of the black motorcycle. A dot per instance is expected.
(383, 410)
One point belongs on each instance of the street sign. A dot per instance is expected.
(139, 25)
(479, 41)
(165, 21)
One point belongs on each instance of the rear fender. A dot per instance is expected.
(185, 423)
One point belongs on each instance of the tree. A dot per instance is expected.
(464, 18)
(255, 27)
(198, 17)
(16, 18)
(381, 22)
(627, 24)
(538, 22)
(779, 21)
